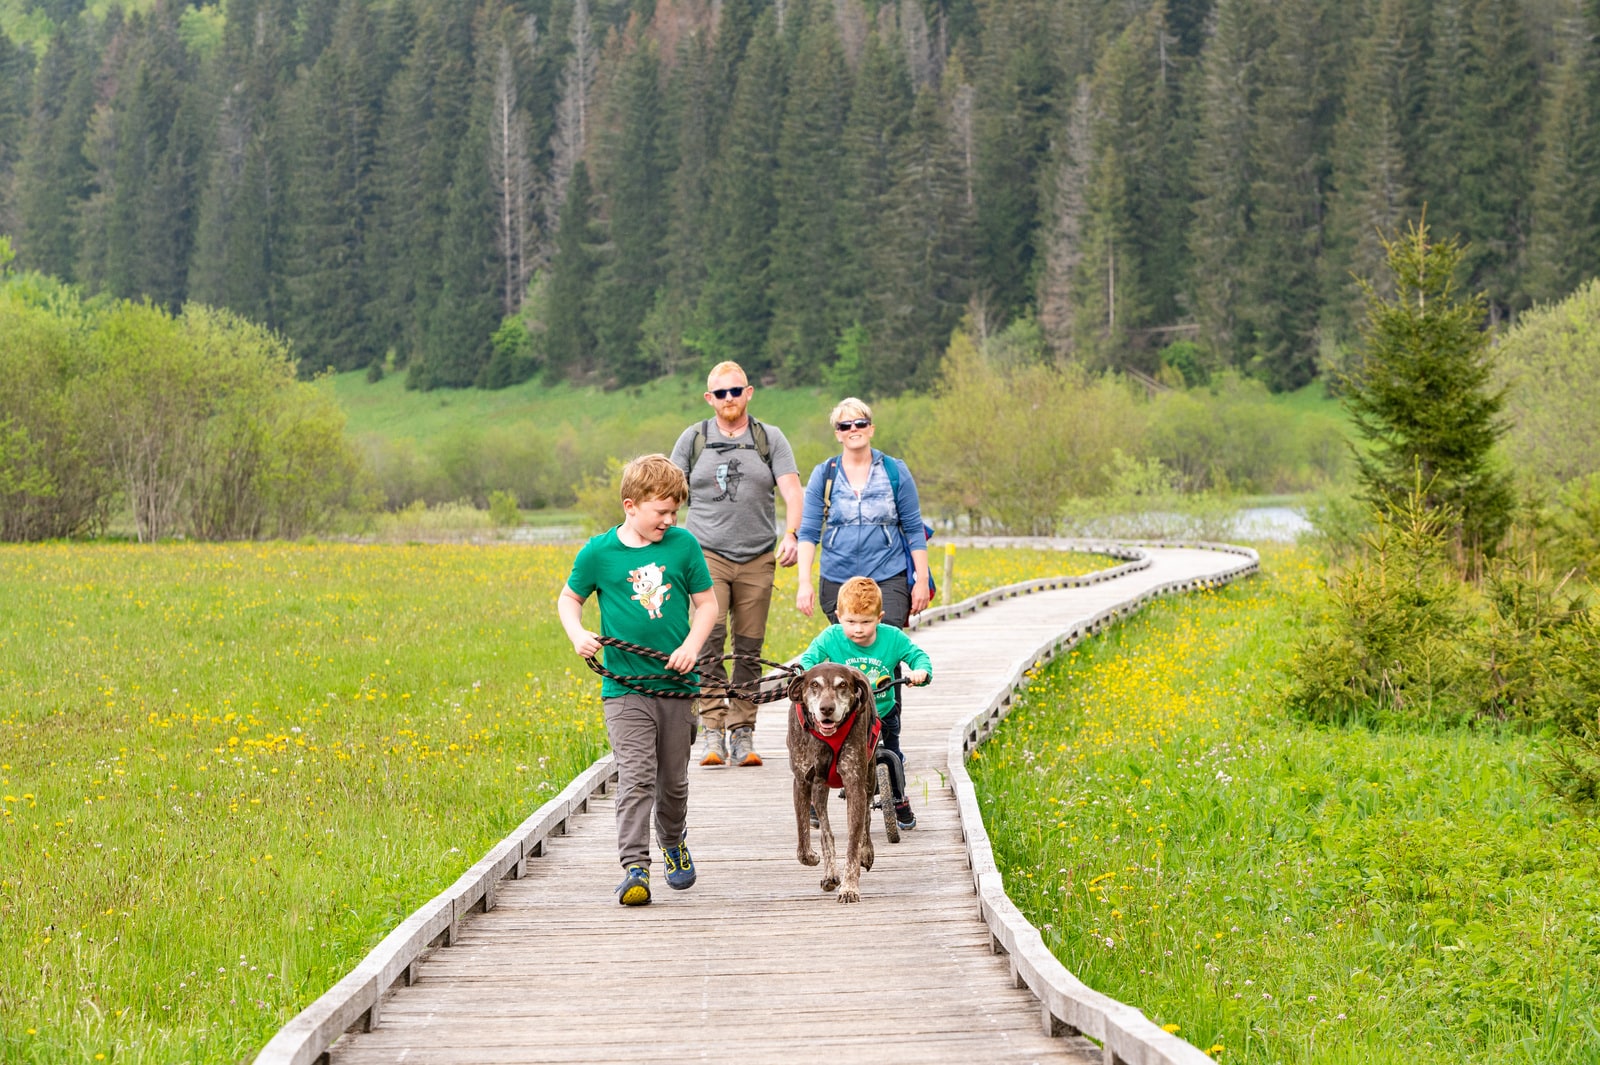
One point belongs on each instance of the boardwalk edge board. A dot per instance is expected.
(1068, 1005)
(355, 1000)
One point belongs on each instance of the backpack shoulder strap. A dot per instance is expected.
(698, 446)
(758, 433)
(891, 466)
(827, 487)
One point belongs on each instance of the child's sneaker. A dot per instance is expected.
(680, 867)
(904, 817)
(635, 887)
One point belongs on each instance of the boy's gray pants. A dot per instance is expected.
(651, 736)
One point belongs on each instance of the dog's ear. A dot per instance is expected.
(797, 687)
(865, 698)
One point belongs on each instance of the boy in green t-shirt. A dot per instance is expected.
(655, 591)
(877, 651)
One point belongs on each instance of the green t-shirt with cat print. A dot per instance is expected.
(644, 599)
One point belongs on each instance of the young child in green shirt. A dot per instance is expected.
(859, 640)
(655, 591)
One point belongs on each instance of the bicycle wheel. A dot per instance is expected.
(891, 826)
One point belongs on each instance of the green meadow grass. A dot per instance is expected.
(226, 771)
(1280, 893)
(641, 418)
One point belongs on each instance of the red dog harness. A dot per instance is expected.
(836, 741)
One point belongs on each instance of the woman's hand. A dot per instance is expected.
(921, 594)
(805, 600)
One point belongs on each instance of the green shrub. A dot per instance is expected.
(1389, 650)
(503, 510)
(1007, 441)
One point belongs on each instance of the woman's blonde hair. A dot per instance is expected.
(653, 477)
(860, 595)
(850, 407)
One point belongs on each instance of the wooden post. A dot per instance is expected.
(949, 574)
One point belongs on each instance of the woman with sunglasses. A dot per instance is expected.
(864, 516)
(861, 509)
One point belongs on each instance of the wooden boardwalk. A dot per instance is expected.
(756, 963)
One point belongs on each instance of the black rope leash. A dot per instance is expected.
(707, 687)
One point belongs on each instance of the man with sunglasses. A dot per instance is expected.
(736, 466)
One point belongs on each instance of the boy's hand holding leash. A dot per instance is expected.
(682, 660)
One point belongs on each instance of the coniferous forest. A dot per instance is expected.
(607, 191)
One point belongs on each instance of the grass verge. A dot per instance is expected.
(227, 771)
(1278, 893)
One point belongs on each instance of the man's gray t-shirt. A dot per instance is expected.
(731, 490)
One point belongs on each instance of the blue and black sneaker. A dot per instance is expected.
(904, 817)
(635, 887)
(680, 867)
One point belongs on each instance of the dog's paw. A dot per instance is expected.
(829, 883)
(850, 895)
(808, 857)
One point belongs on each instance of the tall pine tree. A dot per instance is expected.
(806, 246)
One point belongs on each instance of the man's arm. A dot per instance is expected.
(702, 619)
(569, 608)
(794, 498)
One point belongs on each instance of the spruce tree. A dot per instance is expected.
(920, 255)
(1371, 178)
(1564, 238)
(879, 109)
(16, 72)
(734, 310)
(568, 338)
(138, 229)
(1224, 173)
(688, 135)
(1016, 117)
(332, 198)
(52, 172)
(632, 181)
(1424, 399)
(239, 232)
(806, 248)
(426, 112)
(1280, 292)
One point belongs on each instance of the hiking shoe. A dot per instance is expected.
(635, 887)
(904, 817)
(742, 742)
(715, 751)
(680, 867)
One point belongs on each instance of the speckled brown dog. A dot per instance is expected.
(831, 736)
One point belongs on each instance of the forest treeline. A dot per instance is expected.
(820, 189)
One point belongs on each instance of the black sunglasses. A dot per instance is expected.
(723, 393)
(858, 423)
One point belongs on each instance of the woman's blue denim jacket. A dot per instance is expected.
(866, 535)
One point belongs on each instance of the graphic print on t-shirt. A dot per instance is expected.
(728, 478)
(650, 587)
(873, 669)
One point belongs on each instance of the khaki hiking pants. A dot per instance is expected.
(744, 595)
